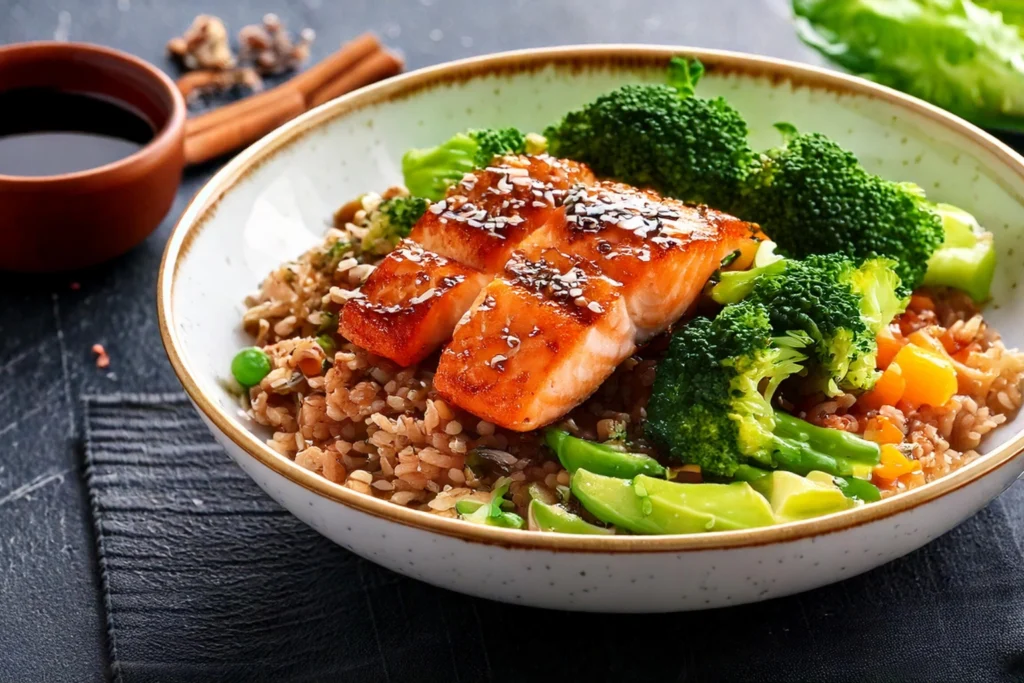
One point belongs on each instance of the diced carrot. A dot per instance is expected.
(746, 257)
(912, 480)
(887, 390)
(964, 354)
(310, 366)
(893, 464)
(926, 341)
(890, 342)
(929, 375)
(967, 377)
(884, 484)
(882, 430)
(920, 302)
(949, 342)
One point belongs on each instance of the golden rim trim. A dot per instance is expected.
(573, 58)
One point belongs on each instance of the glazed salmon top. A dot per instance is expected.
(487, 213)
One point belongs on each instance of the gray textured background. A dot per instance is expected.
(51, 626)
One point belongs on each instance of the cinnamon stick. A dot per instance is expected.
(305, 83)
(376, 67)
(243, 130)
(242, 123)
(334, 66)
(209, 79)
(197, 80)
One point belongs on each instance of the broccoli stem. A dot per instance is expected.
(966, 259)
(801, 447)
(736, 285)
(967, 268)
(749, 473)
(428, 172)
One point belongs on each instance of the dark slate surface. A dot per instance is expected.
(50, 618)
(207, 579)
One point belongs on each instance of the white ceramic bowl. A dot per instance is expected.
(273, 201)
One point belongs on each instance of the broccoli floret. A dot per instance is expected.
(811, 196)
(711, 401)
(392, 221)
(706, 406)
(967, 258)
(840, 306)
(661, 136)
(428, 172)
(879, 289)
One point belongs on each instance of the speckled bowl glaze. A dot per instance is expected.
(274, 200)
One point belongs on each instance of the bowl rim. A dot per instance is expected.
(164, 137)
(203, 204)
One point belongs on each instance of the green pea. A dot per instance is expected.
(250, 365)
(326, 343)
(328, 322)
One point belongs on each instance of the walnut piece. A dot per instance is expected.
(271, 48)
(204, 45)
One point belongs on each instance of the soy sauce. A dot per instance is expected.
(50, 132)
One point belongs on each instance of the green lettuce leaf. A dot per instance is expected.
(1012, 10)
(960, 55)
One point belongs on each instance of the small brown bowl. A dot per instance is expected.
(62, 222)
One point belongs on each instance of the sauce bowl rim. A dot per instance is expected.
(166, 136)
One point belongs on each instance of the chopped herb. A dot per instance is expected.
(564, 493)
(484, 461)
(328, 322)
(491, 513)
(392, 221)
(331, 257)
(294, 381)
(618, 433)
(728, 260)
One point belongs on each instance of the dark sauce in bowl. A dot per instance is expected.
(46, 132)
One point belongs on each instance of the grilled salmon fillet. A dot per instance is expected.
(539, 339)
(487, 213)
(660, 250)
(609, 270)
(410, 304)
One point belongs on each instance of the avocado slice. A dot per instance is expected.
(794, 498)
(647, 505)
(559, 520)
(576, 453)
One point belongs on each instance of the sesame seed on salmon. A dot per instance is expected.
(660, 250)
(538, 340)
(486, 214)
